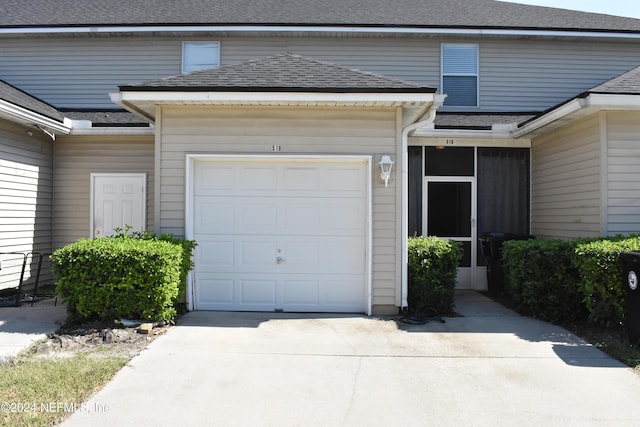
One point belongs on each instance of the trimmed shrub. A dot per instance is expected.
(188, 246)
(433, 265)
(601, 277)
(124, 277)
(541, 279)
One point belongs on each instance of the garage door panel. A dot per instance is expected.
(281, 234)
(214, 179)
(337, 255)
(322, 217)
(301, 291)
(345, 181)
(257, 179)
(343, 292)
(301, 179)
(215, 255)
(257, 255)
(258, 218)
(212, 215)
(215, 291)
(257, 292)
(288, 216)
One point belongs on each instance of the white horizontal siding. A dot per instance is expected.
(299, 131)
(25, 190)
(566, 180)
(623, 172)
(75, 159)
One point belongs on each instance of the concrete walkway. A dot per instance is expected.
(22, 326)
(488, 368)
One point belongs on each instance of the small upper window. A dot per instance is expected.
(460, 74)
(200, 56)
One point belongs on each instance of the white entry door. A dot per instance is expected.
(118, 202)
(281, 234)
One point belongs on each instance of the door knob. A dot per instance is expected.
(279, 260)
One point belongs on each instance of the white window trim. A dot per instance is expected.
(476, 75)
(182, 70)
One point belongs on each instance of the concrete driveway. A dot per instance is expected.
(488, 368)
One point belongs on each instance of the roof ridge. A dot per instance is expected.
(284, 71)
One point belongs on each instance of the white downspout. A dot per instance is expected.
(425, 120)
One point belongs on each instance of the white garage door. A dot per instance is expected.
(281, 234)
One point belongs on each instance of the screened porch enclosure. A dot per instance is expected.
(462, 193)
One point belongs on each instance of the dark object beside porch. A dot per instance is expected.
(491, 248)
(630, 281)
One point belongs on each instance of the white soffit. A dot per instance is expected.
(143, 103)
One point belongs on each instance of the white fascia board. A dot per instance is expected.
(560, 112)
(613, 101)
(462, 133)
(22, 115)
(301, 97)
(318, 29)
(115, 131)
(591, 102)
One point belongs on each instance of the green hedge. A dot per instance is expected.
(541, 279)
(559, 280)
(188, 246)
(124, 277)
(433, 264)
(601, 277)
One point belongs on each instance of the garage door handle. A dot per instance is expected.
(279, 260)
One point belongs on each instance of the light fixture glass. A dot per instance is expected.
(386, 165)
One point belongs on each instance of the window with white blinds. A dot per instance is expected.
(200, 56)
(460, 75)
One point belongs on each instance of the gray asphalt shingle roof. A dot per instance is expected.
(107, 118)
(22, 99)
(285, 72)
(482, 121)
(627, 83)
(413, 13)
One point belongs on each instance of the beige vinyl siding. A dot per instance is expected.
(237, 130)
(25, 189)
(623, 172)
(76, 157)
(515, 75)
(566, 200)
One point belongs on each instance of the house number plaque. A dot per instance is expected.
(276, 148)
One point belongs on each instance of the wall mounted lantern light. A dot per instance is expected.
(386, 164)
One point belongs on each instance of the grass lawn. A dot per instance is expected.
(37, 391)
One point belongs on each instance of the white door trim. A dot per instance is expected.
(189, 207)
(92, 208)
